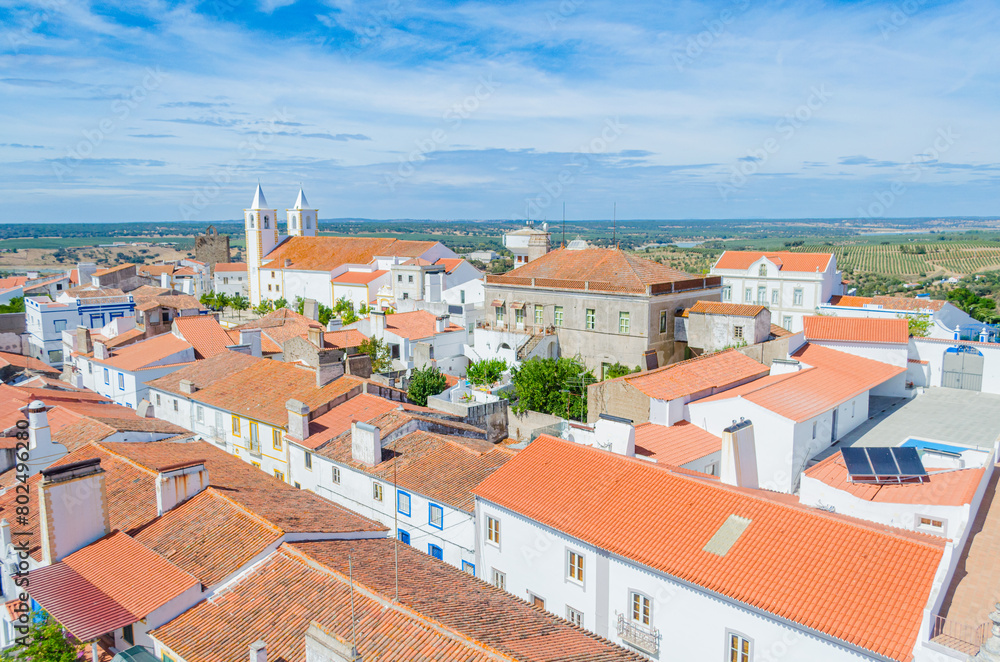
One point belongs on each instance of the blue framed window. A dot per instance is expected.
(436, 552)
(96, 321)
(112, 316)
(107, 376)
(435, 516)
(403, 502)
(404, 536)
(121, 381)
(469, 568)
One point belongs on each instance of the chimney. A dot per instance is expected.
(358, 365)
(441, 323)
(42, 451)
(615, 434)
(435, 286)
(101, 351)
(785, 366)
(315, 335)
(298, 419)
(329, 366)
(739, 455)
(165, 280)
(366, 443)
(177, 483)
(251, 338)
(324, 646)
(83, 342)
(187, 386)
(335, 324)
(378, 324)
(310, 308)
(5, 538)
(72, 508)
(288, 262)
(258, 651)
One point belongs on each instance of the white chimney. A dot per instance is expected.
(42, 451)
(739, 456)
(187, 386)
(177, 483)
(785, 366)
(258, 651)
(5, 538)
(310, 309)
(165, 280)
(101, 351)
(315, 336)
(298, 419)
(378, 324)
(72, 508)
(366, 443)
(251, 338)
(440, 323)
(615, 434)
(435, 286)
(335, 324)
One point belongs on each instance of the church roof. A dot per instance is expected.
(327, 253)
(301, 202)
(258, 199)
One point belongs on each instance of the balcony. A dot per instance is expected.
(646, 639)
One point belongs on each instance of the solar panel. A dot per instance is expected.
(909, 461)
(857, 462)
(882, 462)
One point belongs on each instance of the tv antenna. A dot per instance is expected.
(614, 225)
(563, 245)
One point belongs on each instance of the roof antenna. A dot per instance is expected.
(563, 245)
(614, 225)
(354, 629)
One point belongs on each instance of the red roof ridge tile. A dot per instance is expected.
(124, 458)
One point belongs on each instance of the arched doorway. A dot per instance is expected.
(962, 367)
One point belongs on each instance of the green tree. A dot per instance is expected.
(45, 641)
(15, 305)
(425, 382)
(280, 303)
(325, 314)
(919, 326)
(553, 386)
(378, 351)
(486, 371)
(239, 303)
(618, 370)
(300, 305)
(207, 299)
(221, 300)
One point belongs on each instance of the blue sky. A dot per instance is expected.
(155, 110)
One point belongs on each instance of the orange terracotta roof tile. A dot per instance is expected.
(779, 331)
(337, 421)
(12, 281)
(132, 580)
(676, 445)
(951, 488)
(344, 338)
(849, 301)
(124, 338)
(718, 308)
(204, 333)
(415, 325)
(450, 263)
(856, 329)
(785, 260)
(798, 563)
(88, 292)
(279, 326)
(172, 301)
(141, 355)
(358, 277)
(111, 270)
(707, 372)
(231, 266)
(25, 363)
(833, 377)
(911, 304)
(328, 253)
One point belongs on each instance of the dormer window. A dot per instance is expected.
(762, 272)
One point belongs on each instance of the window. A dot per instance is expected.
(272, 274)
(268, 287)
(298, 485)
(787, 322)
(279, 475)
(157, 398)
(557, 316)
(404, 536)
(399, 278)
(539, 315)
(663, 321)
(574, 570)
(435, 516)
(275, 437)
(624, 323)
(930, 524)
(309, 460)
(536, 600)
(574, 616)
(403, 503)
(748, 295)
(436, 552)
(641, 609)
(225, 281)
(469, 568)
(121, 382)
(175, 404)
(90, 369)
(200, 414)
(254, 444)
(336, 475)
(797, 297)
(128, 635)
(406, 295)
(60, 325)
(236, 426)
(409, 279)
(256, 464)
(740, 648)
(519, 316)
(107, 376)
(738, 332)
(461, 296)
(761, 295)
(814, 429)
(499, 313)
(727, 292)
(493, 530)
(498, 579)
(277, 288)
(591, 318)
(167, 658)
(774, 297)
(376, 491)
(762, 271)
